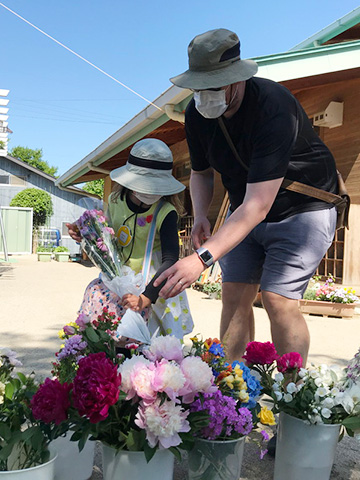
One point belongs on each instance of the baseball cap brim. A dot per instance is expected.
(202, 80)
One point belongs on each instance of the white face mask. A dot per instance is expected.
(146, 198)
(210, 103)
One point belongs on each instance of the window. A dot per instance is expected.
(17, 180)
(4, 179)
(64, 229)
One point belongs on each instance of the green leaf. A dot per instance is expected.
(91, 334)
(6, 451)
(353, 423)
(9, 390)
(149, 452)
(22, 377)
(5, 432)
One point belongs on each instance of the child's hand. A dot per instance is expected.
(134, 302)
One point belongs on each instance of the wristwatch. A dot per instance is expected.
(205, 256)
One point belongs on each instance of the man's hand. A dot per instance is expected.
(200, 231)
(74, 231)
(134, 302)
(180, 275)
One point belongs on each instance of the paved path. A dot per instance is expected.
(37, 299)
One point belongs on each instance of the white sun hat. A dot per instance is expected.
(148, 169)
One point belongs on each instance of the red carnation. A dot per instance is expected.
(262, 353)
(51, 402)
(289, 361)
(96, 386)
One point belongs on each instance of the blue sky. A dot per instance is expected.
(67, 108)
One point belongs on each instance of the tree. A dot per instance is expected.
(95, 186)
(38, 200)
(33, 158)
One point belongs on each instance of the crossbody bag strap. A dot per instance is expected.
(291, 185)
(150, 244)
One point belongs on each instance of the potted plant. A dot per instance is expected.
(212, 289)
(329, 299)
(24, 440)
(44, 253)
(315, 405)
(233, 412)
(62, 254)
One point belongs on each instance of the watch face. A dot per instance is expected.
(206, 256)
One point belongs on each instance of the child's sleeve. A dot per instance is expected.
(169, 250)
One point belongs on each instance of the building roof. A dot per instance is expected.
(333, 54)
(52, 179)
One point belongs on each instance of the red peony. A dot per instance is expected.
(262, 353)
(289, 361)
(51, 402)
(96, 386)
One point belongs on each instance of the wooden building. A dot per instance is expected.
(323, 72)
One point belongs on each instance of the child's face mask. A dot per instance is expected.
(146, 198)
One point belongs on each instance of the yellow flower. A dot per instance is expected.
(266, 416)
(61, 334)
(244, 396)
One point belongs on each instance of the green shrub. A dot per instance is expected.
(41, 249)
(212, 287)
(61, 249)
(38, 200)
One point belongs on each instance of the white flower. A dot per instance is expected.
(351, 400)
(287, 397)
(276, 387)
(199, 378)
(334, 391)
(291, 387)
(2, 392)
(321, 391)
(303, 372)
(278, 395)
(167, 346)
(279, 377)
(313, 373)
(328, 403)
(318, 382)
(326, 413)
(6, 352)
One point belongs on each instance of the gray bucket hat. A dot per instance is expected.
(214, 61)
(148, 169)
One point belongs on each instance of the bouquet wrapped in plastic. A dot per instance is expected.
(101, 246)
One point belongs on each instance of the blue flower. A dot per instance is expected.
(217, 349)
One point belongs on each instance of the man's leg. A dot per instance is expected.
(237, 318)
(288, 327)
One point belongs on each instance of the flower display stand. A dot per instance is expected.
(304, 451)
(215, 459)
(318, 307)
(125, 465)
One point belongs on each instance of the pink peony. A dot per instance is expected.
(289, 361)
(167, 346)
(262, 353)
(51, 402)
(163, 421)
(168, 378)
(199, 378)
(96, 386)
(137, 376)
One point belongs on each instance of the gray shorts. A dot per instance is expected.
(282, 257)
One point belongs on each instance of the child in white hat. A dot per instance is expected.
(146, 193)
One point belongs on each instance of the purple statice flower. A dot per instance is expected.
(73, 345)
(226, 420)
(353, 369)
(265, 435)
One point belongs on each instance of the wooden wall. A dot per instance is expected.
(343, 141)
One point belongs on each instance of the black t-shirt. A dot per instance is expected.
(274, 137)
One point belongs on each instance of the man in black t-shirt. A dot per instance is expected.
(273, 239)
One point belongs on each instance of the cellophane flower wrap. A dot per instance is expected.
(102, 247)
(24, 436)
(317, 394)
